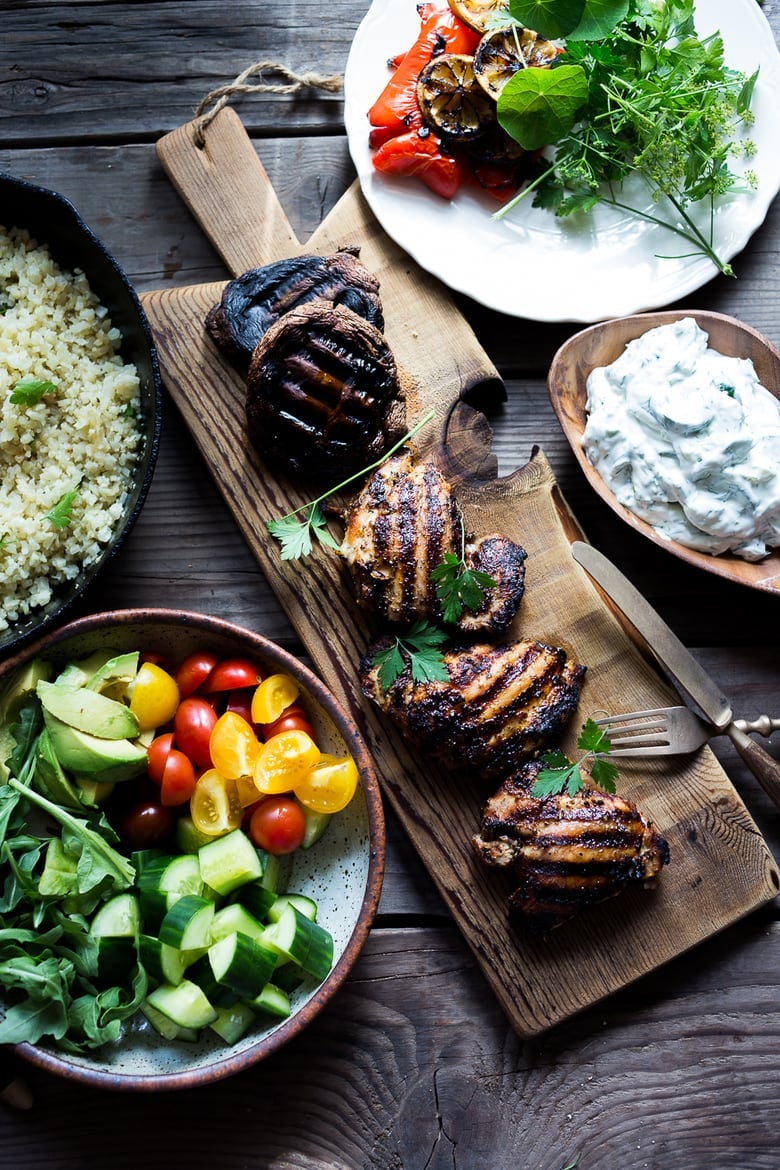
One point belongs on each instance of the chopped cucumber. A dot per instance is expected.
(163, 963)
(316, 824)
(303, 942)
(165, 1027)
(119, 917)
(187, 924)
(233, 1022)
(240, 963)
(185, 1004)
(235, 918)
(306, 905)
(189, 838)
(216, 993)
(115, 957)
(229, 862)
(273, 1000)
(257, 899)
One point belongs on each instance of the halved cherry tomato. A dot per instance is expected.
(156, 755)
(277, 825)
(232, 673)
(154, 696)
(274, 694)
(284, 760)
(193, 724)
(293, 718)
(233, 746)
(194, 671)
(240, 701)
(171, 770)
(330, 785)
(215, 808)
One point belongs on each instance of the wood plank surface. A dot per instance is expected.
(414, 1064)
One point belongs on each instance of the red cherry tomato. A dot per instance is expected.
(293, 718)
(194, 671)
(146, 825)
(240, 702)
(277, 825)
(192, 726)
(232, 673)
(156, 755)
(178, 782)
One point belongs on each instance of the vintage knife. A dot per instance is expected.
(678, 663)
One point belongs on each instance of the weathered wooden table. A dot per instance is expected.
(413, 1064)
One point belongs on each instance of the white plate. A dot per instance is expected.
(531, 264)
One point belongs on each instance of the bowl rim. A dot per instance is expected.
(221, 1067)
(47, 617)
(763, 575)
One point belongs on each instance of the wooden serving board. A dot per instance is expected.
(721, 868)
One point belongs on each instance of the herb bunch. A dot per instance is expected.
(635, 92)
(560, 774)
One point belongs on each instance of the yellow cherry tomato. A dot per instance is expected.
(233, 746)
(215, 807)
(284, 760)
(330, 785)
(154, 696)
(272, 696)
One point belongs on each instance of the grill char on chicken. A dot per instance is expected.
(323, 392)
(498, 708)
(254, 301)
(398, 530)
(566, 852)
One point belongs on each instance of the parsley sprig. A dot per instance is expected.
(563, 775)
(30, 391)
(634, 92)
(420, 647)
(295, 530)
(457, 586)
(61, 515)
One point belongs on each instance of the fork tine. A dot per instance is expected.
(628, 728)
(653, 713)
(652, 739)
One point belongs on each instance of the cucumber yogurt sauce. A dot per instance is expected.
(689, 440)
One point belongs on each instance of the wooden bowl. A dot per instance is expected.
(342, 872)
(601, 344)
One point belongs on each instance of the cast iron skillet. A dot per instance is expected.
(54, 221)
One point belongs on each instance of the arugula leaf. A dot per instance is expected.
(30, 391)
(61, 515)
(563, 775)
(295, 535)
(420, 648)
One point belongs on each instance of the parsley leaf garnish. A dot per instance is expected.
(61, 515)
(635, 92)
(457, 586)
(562, 775)
(295, 534)
(420, 646)
(30, 391)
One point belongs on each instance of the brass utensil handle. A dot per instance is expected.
(765, 769)
(764, 725)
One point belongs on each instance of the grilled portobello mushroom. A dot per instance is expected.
(258, 298)
(324, 396)
(566, 852)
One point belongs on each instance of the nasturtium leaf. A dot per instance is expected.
(598, 19)
(550, 18)
(539, 106)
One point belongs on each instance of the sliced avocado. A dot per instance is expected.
(49, 779)
(113, 677)
(94, 792)
(78, 674)
(89, 756)
(20, 687)
(88, 711)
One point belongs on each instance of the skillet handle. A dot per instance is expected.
(765, 769)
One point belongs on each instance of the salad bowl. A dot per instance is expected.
(341, 872)
(599, 345)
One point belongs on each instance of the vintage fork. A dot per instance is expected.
(666, 731)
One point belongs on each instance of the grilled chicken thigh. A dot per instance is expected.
(566, 852)
(498, 708)
(398, 530)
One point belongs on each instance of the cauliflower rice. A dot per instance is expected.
(82, 436)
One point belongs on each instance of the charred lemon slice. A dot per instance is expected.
(451, 100)
(503, 51)
(480, 14)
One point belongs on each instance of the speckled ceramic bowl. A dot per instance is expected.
(54, 221)
(342, 872)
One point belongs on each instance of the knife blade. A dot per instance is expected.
(678, 664)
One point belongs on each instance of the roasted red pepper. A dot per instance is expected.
(396, 110)
(419, 154)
